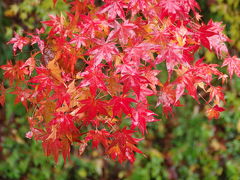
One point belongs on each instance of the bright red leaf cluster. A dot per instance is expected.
(99, 65)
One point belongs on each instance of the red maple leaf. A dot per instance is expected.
(217, 41)
(64, 124)
(123, 146)
(151, 76)
(61, 132)
(167, 97)
(57, 24)
(79, 40)
(216, 93)
(113, 8)
(138, 5)
(142, 116)
(123, 31)
(56, 146)
(127, 68)
(98, 137)
(90, 25)
(187, 81)
(121, 104)
(60, 95)
(104, 50)
(190, 78)
(22, 96)
(205, 71)
(93, 107)
(173, 55)
(213, 113)
(139, 51)
(18, 42)
(203, 34)
(29, 65)
(36, 39)
(192, 4)
(233, 65)
(170, 7)
(94, 78)
(14, 72)
(43, 79)
(133, 82)
(144, 93)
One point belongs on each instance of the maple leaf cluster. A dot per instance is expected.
(98, 65)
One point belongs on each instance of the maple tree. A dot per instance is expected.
(98, 65)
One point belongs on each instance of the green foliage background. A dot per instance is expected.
(184, 147)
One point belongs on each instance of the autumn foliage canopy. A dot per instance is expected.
(88, 81)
